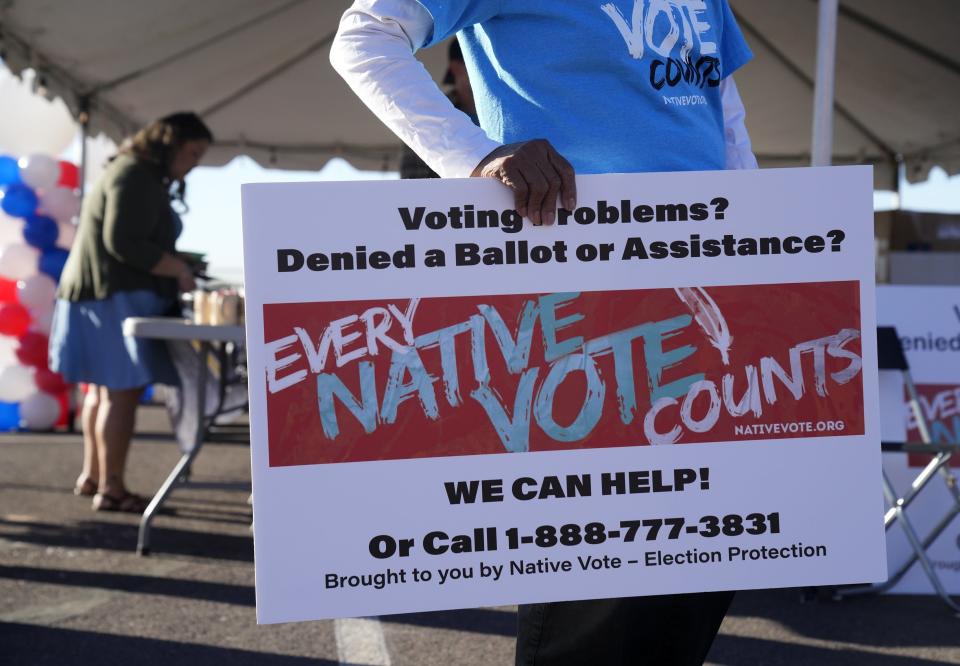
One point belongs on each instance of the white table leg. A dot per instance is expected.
(182, 468)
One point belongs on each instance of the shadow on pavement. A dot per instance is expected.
(241, 595)
(60, 490)
(60, 436)
(37, 645)
(476, 620)
(738, 650)
(123, 537)
(880, 621)
(209, 515)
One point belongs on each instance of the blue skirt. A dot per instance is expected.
(87, 343)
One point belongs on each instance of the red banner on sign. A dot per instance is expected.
(384, 380)
(940, 404)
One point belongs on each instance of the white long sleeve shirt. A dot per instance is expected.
(374, 52)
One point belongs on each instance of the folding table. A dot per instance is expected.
(210, 341)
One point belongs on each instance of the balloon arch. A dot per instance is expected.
(39, 204)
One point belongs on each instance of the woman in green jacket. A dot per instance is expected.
(124, 264)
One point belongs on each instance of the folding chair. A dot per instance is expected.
(891, 357)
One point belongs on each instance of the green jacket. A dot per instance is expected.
(125, 227)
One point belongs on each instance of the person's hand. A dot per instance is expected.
(185, 279)
(536, 173)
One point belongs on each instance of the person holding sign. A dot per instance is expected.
(460, 95)
(622, 86)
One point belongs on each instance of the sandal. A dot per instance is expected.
(86, 489)
(126, 503)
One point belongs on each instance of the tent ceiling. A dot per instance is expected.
(897, 83)
(258, 70)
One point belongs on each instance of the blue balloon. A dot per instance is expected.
(9, 171)
(9, 416)
(41, 232)
(52, 261)
(19, 201)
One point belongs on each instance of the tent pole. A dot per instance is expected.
(84, 118)
(898, 176)
(821, 148)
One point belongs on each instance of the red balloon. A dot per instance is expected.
(50, 382)
(8, 291)
(14, 319)
(63, 419)
(69, 175)
(32, 349)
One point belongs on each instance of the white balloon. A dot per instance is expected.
(68, 231)
(60, 203)
(11, 229)
(39, 171)
(42, 314)
(16, 383)
(8, 350)
(37, 293)
(18, 261)
(42, 320)
(39, 411)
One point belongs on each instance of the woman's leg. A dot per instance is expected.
(115, 420)
(90, 473)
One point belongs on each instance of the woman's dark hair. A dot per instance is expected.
(159, 141)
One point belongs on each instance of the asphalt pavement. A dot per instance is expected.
(73, 591)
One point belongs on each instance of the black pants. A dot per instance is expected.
(671, 630)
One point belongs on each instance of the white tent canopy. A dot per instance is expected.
(897, 83)
(258, 71)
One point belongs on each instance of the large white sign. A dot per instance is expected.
(927, 320)
(672, 389)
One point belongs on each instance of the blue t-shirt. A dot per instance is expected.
(615, 86)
